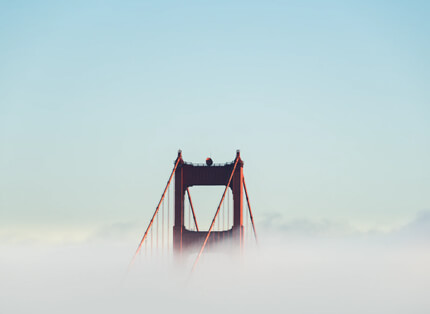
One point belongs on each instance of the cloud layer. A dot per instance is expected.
(311, 274)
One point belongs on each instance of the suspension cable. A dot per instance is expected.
(192, 208)
(228, 209)
(156, 210)
(216, 214)
(250, 212)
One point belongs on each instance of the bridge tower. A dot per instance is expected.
(229, 175)
(188, 175)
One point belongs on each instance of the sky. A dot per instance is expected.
(327, 101)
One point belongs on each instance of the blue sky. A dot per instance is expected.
(328, 102)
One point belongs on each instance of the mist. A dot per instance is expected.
(285, 272)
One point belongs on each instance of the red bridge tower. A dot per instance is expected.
(188, 175)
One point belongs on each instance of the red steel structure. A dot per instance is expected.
(186, 240)
(188, 175)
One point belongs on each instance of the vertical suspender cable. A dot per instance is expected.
(157, 234)
(218, 229)
(223, 216)
(189, 216)
(146, 248)
(162, 229)
(228, 208)
(218, 225)
(223, 219)
(168, 220)
(247, 224)
(156, 210)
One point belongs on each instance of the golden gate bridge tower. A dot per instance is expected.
(188, 239)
